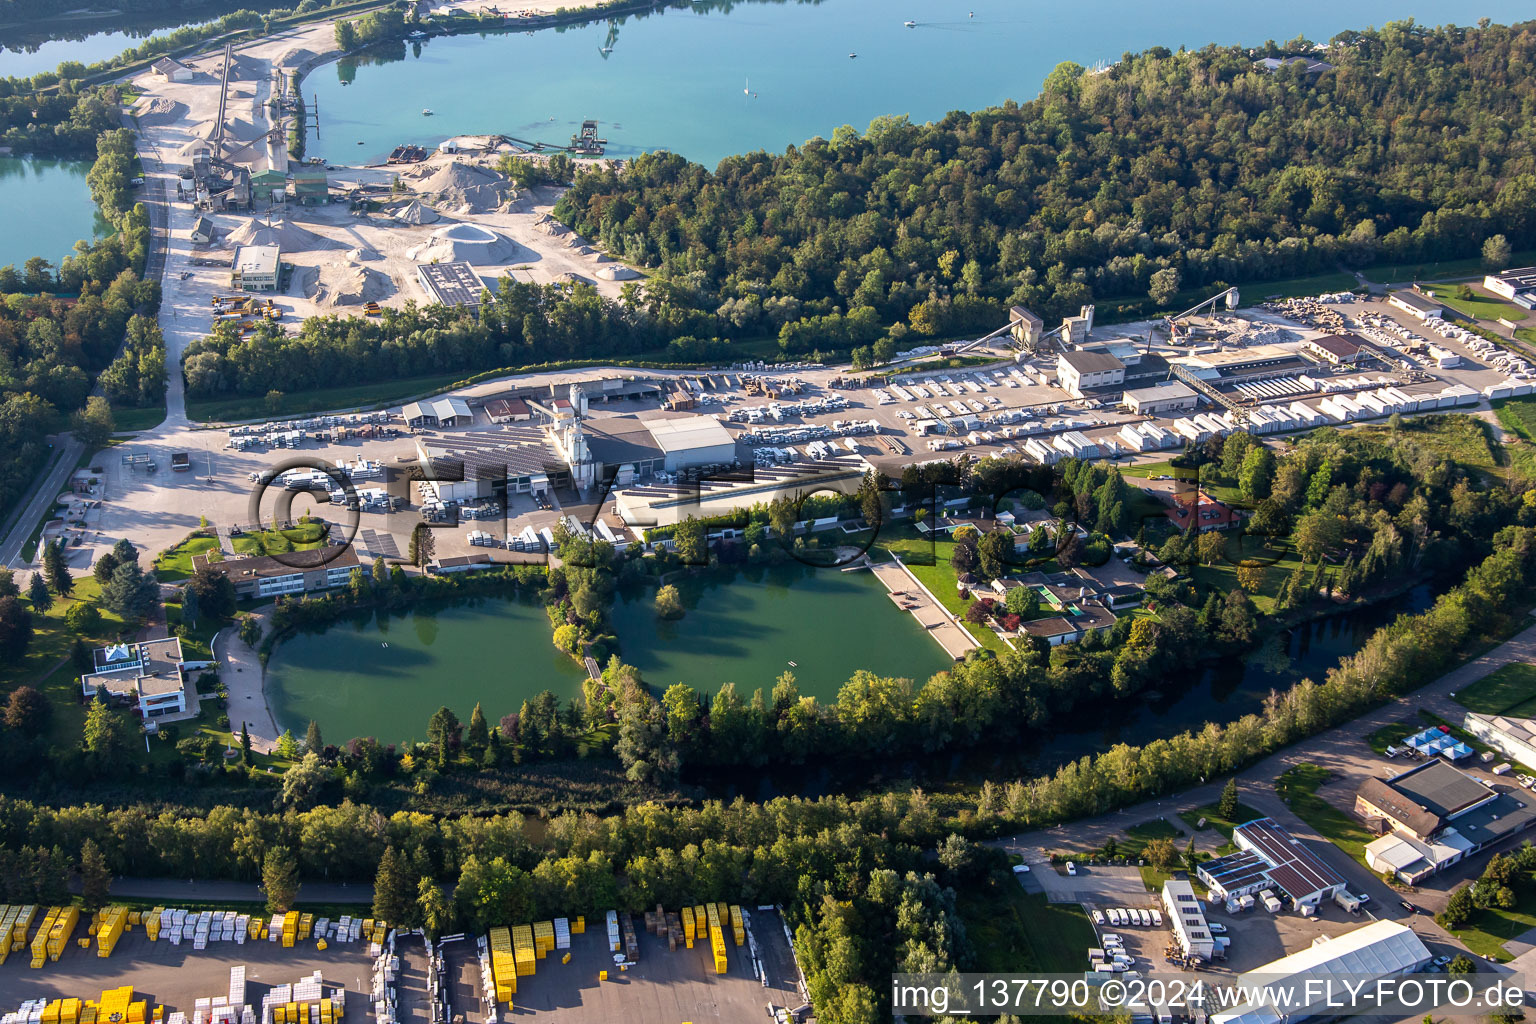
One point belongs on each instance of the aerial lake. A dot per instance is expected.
(384, 675)
(709, 81)
(46, 207)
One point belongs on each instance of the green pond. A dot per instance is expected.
(45, 206)
(384, 675)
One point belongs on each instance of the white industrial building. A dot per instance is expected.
(255, 268)
(1515, 738)
(1269, 857)
(1382, 949)
(1169, 396)
(1187, 919)
(1086, 368)
(693, 441)
(1416, 305)
(1519, 286)
(439, 412)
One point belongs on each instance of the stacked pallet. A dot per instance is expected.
(674, 930)
(613, 931)
(579, 926)
(716, 936)
(151, 919)
(543, 938)
(57, 928)
(738, 925)
(15, 922)
(701, 921)
(689, 931)
(631, 941)
(523, 950)
(503, 964)
(562, 933)
(118, 1005)
(114, 921)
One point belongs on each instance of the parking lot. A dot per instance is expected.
(176, 975)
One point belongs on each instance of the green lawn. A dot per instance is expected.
(176, 563)
(1526, 334)
(320, 400)
(46, 666)
(1278, 562)
(132, 420)
(1214, 818)
(1298, 788)
(1489, 929)
(1444, 270)
(304, 537)
(1014, 931)
(1518, 416)
(1479, 306)
(1501, 691)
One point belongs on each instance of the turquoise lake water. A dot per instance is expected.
(680, 79)
(25, 60)
(46, 207)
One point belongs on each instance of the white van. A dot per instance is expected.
(1071, 868)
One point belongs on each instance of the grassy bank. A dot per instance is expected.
(1510, 690)
(1298, 787)
(1013, 931)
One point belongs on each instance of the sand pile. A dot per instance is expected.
(159, 110)
(550, 226)
(466, 188)
(417, 212)
(360, 254)
(289, 236)
(467, 243)
(345, 284)
(617, 272)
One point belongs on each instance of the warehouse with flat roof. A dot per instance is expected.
(450, 284)
(255, 268)
(1270, 857)
(686, 441)
(1169, 396)
(1382, 949)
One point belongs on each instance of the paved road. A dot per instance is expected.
(39, 500)
(1341, 749)
(234, 892)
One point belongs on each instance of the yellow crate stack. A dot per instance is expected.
(8, 914)
(543, 938)
(114, 921)
(117, 1004)
(380, 932)
(40, 940)
(688, 929)
(152, 924)
(25, 915)
(716, 936)
(579, 926)
(63, 928)
(738, 925)
(306, 925)
(290, 927)
(503, 964)
(701, 922)
(253, 929)
(523, 949)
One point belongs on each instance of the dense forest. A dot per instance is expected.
(59, 122)
(521, 324)
(1166, 170)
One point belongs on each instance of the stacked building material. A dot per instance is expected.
(631, 940)
(613, 931)
(738, 925)
(503, 964)
(689, 930)
(716, 936)
(524, 952)
(562, 933)
(114, 920)
(543, 938)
